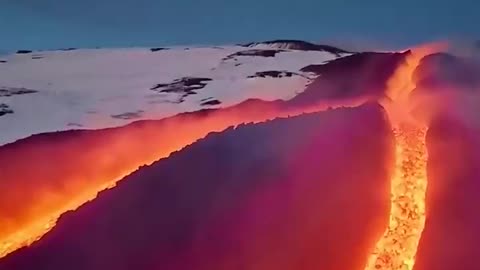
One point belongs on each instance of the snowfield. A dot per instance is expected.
(50, 91)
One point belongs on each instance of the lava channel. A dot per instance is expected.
(397, 248)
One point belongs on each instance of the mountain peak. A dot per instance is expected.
(292, 44)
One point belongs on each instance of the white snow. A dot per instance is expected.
(84, 88)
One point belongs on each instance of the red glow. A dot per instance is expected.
(65, 171)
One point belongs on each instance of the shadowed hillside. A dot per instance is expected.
(275, 195)
(357, 76)
(451, 236)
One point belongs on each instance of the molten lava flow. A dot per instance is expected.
(397, 248)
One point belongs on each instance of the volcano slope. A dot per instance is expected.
(45, 175)
(448, 94)
(451, 236)
(362, 75)
(274, 195)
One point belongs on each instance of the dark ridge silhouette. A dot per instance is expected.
(451, 236)
(356, 61)
(68, 49)
(298, 45)
(158, 49)
(273, 74)
(276, 195)
(129, 115)
(183, 87)
(74, 125)
(441, 71)
(12, 91)
(358, 75)
(211, 102)
(254, 52)
(24, 51)
(5, 109)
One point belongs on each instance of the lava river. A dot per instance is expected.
(397, 248)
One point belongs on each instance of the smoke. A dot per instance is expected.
(446, 98)
(447, 83)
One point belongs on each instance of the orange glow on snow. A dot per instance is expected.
(397, 248)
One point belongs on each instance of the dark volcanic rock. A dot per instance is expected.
(184, 86)
(7, 92)
(24, 51)
(254, 52)
(158, 49)
(357, 62)
(272, 74)
(211, 102)
(219, 203)
(298, 45)
(5, 109)
(74, 125)
(11, 91)
(68, 49)
(354, 76)
(128, 115)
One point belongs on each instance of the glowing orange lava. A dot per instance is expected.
(397, 248)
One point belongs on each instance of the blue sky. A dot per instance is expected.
(51, 24)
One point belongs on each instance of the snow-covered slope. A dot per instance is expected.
(98, 88)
